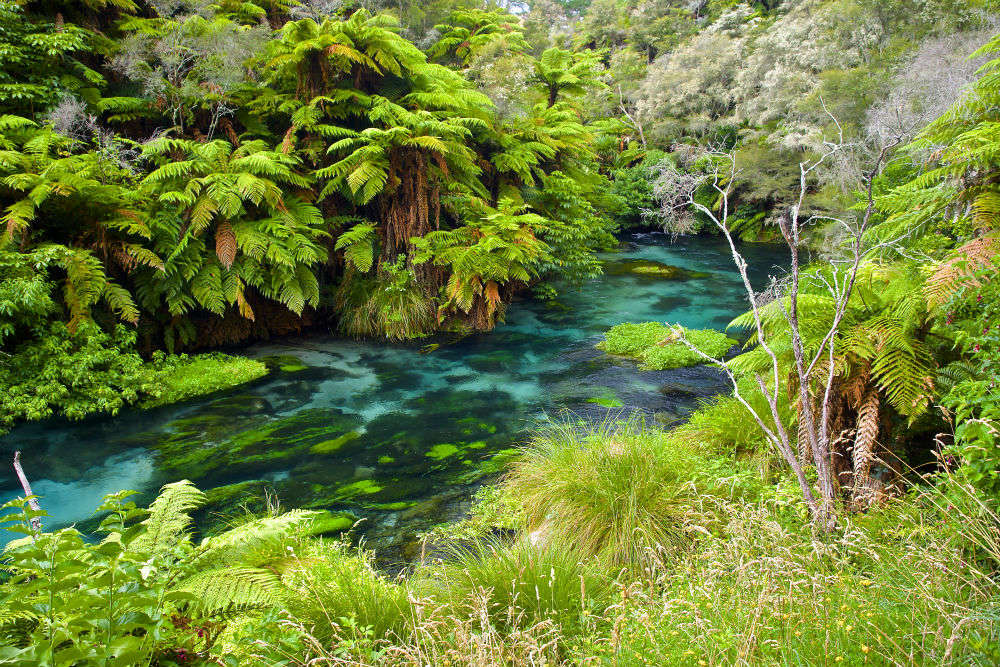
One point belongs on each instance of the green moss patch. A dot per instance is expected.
(656, 347)
(185, 377)
(644, 268)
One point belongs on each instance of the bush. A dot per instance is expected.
(722, 426)
(634, 187)
(75, 375)
(973, 396)
(658, 348)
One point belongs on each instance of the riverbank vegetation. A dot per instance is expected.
(181, 176)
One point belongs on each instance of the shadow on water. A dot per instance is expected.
(391, 436)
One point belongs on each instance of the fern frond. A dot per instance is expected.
(169, 516)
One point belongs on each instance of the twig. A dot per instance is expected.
(36, 523)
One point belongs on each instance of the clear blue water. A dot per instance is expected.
(397, 435)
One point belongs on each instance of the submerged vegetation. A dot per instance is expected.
(659, 347)
(179, 176)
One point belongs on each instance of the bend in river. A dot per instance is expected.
(398, 436)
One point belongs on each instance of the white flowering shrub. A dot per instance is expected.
(691, 88)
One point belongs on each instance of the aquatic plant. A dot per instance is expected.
(657, 347)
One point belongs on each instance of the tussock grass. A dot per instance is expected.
(622, 493)
(390, 307)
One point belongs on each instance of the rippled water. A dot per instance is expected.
(395, 434)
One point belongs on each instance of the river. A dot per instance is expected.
(397, 435)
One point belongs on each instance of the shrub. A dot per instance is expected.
(90, 371)
(73, 375)
(973, 397)
(658, 348)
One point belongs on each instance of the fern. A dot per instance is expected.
(169, 517)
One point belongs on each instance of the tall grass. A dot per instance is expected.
(619, 492)
(336, 590)
(899, 586)
(639, 549)
(515, 585)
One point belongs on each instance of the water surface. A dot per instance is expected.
(396, 435)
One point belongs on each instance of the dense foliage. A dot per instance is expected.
(182, 175)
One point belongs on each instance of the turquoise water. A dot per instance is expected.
(397, 436)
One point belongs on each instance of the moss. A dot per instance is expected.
(651, 270)
(386, 459)
(443, 451)
(607, 401)
(657, 347)
(182, 378)
(292, 368)
(334, 445)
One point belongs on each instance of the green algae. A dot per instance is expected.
(287, 363)
(334, 445)
(386, 459)
(331, 522)
(443, 451)
(394, 507)
(650, 270)
(228, 493)
(204, 446)
(358, 488)
(607, 401)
